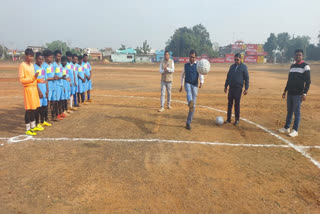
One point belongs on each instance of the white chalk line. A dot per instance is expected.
(21, 138)
(297, 148)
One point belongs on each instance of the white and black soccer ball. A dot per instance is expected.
(203, 66)
(219, 121)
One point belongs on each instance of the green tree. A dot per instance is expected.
(123, 47)
(3, 52)
(283, 40)
(319, 40)
(271, 45)
(300, 42)
(145, 49)
(184, 39)
(58, 45)
(77, 51)
(139, 51)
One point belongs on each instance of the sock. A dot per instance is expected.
(28, 127)
(88, 95)
(75, 99)
(45, 113)
(66, 105)
(71, 101)
(52, 108)
(42, 113)
(78, 94)
(82, 97)
(37, 115)
(33, 124)
(62, 106)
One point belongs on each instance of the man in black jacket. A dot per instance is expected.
(237, 75)
(297, 87)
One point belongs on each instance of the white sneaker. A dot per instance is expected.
(294, 133)
(161, 110)
(284, 130)
(169, 107)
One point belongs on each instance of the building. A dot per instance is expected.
(127, 55)
(36, 48)
(160, 55)
(145, 58)
(107, 52)
(93, 53)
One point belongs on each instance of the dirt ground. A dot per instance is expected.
(101, 172)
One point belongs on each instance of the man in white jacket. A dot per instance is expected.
(166, 70)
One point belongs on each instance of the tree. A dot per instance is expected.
(300, 42)
(271, 45)
(58, 45)
(184, 39)
(145, 49)
(123, 47)
(283, 40)
(319, 40)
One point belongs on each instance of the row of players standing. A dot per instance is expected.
(56, 81)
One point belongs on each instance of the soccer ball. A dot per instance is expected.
(203, 66)
(219, 121)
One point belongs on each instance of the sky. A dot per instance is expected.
(105, 23)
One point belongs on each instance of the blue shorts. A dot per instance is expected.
(52, 95)
(89, 85)
(43, 102)
(81, 86)
(59, 93)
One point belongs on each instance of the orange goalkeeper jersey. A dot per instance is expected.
(29, 82)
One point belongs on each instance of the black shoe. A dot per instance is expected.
(236, 122)
(227, 121)
(76, 106)
(188, 127)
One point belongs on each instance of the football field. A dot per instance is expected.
(120, 155)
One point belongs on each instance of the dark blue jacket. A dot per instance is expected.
(237, 75)
(191, 74)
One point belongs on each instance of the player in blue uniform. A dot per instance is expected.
(42, 111)
(59, 84)
(66, 85)
(51, 77)
(82, 79)
(88, 72)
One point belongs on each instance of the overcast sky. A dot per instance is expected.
(104, 23)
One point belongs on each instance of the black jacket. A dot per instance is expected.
(237, 75)
(299, 79)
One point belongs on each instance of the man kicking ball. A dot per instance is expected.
(190, 78)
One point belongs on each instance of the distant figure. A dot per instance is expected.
(297, 87)
(190, 77)
(237, 76)
(166, 70)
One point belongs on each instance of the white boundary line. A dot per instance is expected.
(295, 147)
(21, 138)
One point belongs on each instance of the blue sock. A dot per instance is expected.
(88, 96)
(75, 99)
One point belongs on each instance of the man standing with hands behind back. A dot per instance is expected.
(166, 70)
(237, 75)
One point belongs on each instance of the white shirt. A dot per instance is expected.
(201, 77)
(168, 69)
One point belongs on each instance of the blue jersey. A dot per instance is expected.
(70, 71)
(49, 74)
(41, 75)
(80, 70)
(58, 72)
(87, 68)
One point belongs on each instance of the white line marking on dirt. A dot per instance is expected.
(297, 148)
(26, 138)
(19, 138)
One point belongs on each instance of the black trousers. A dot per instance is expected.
(234, 95)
